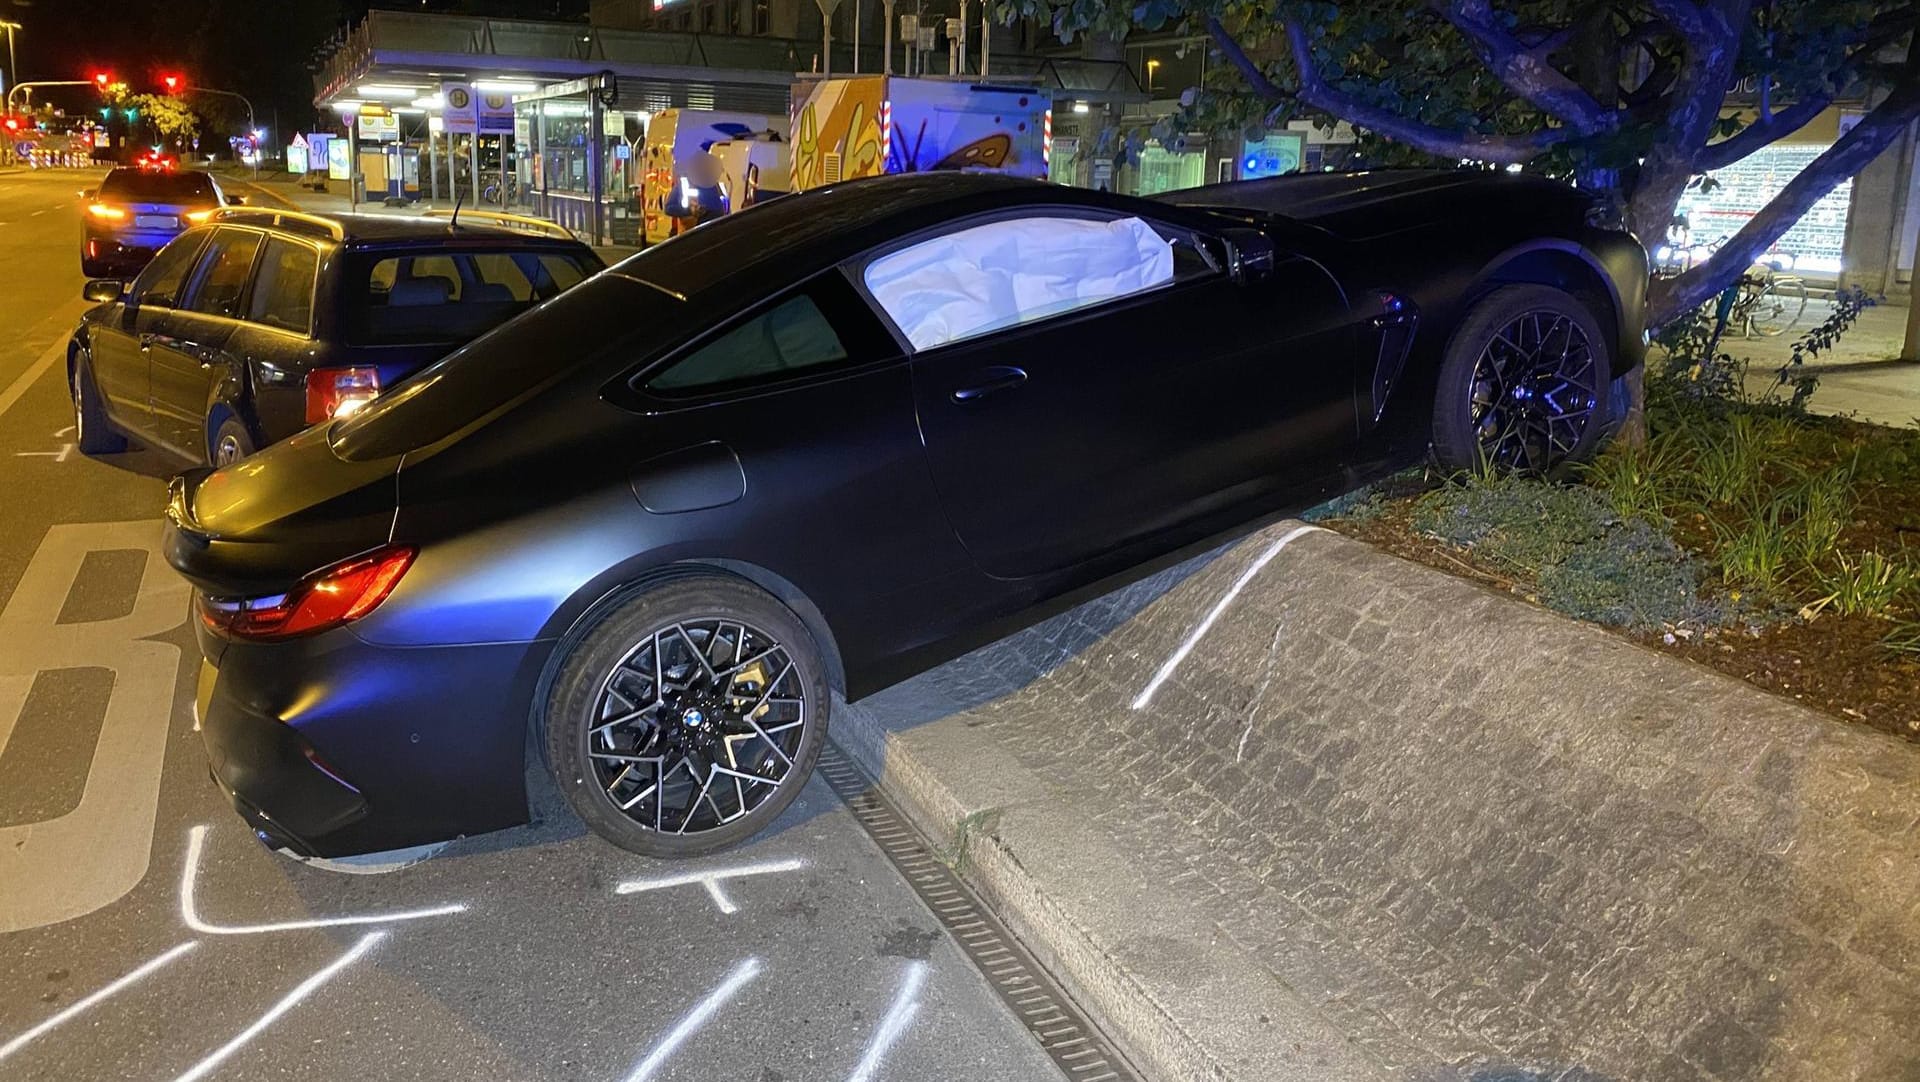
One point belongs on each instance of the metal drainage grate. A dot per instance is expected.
(1066, 1034)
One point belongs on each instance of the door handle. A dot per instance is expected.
(998, 378)
(146, 342)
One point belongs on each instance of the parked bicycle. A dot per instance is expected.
(1769, 302)
(491, 193)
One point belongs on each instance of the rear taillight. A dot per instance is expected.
(336, 392)
(325, 599)
(101, 210)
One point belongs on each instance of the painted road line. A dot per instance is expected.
(288, 1002)
(19, 386)
(695, 1018)
(905, 1002)
(189, 875)
(58, 869)
(81, 1005)
(1173, 662)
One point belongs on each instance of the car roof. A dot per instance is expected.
(802, 231)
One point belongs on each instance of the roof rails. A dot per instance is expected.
(518, 222)
(292, 220)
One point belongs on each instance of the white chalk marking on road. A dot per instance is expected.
(36, 214)
(695, 1018)
(905, 1002)
(288, 1002)
(81, 1005)
(58, 456)
(711, 880)
(196, 839)
(18, 387)
(1194, 636)
(63, 432)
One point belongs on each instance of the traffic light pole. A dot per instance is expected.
(250, 122)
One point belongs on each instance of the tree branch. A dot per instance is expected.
(1845, 158)
(1313, 91)
(1766, 130)
(1525, 70)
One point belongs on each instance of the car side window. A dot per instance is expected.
(283, 287)
(222, 277)
(160, 285)
(789, 336)
(994, 275)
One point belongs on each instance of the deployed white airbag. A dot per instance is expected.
(1004, 273)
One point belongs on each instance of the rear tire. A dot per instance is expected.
(228, 442)
(93, 433)
(652, 729)
(1525, 385)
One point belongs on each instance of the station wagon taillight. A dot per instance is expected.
(325, 599)
(336, 392)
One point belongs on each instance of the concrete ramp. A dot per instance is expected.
(1302, 810)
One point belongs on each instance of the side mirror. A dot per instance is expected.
(103, 290)
(1250, 254)
(236, 200)
(88, 193)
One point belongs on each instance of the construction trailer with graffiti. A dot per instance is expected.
(867, 125)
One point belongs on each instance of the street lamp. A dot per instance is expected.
(13, 72)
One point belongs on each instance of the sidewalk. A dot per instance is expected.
(1379, 823)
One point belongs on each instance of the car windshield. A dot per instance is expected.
(134, 186)
(604, 314)
(436, 296)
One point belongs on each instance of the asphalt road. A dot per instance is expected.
(144, 934)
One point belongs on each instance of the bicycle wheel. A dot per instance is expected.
(1778, 306)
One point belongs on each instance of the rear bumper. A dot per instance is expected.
(332, 747)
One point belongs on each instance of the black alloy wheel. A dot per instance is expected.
(1525, 386)
(689, 719)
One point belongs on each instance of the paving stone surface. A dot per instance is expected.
(1478, 840)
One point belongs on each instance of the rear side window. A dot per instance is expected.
(137, 186)
(222, 278)
(607, 321)
(791, 336)
(283, 289)
(450, 297)
(163, 282)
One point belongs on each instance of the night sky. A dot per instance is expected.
(261, 48)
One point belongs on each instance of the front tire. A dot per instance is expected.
(688, 718)
(93, 433)
(1525, 385)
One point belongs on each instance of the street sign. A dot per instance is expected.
(496, 112)
(462, 108)
(339, 163)
(379, 129)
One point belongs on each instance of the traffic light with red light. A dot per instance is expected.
(101, 79)
(13, 124)
(172, 83)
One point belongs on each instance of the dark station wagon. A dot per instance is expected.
(246, 329)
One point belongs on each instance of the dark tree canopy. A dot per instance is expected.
(1632, 98)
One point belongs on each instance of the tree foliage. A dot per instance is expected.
(169, 116)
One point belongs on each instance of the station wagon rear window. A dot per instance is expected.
(442, 297)
(133, 186)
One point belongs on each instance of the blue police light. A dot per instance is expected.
(1253, 162)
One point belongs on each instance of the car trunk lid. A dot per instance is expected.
(261, 525)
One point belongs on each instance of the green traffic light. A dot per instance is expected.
(133, 114)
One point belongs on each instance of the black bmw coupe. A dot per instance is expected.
(656, 521)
